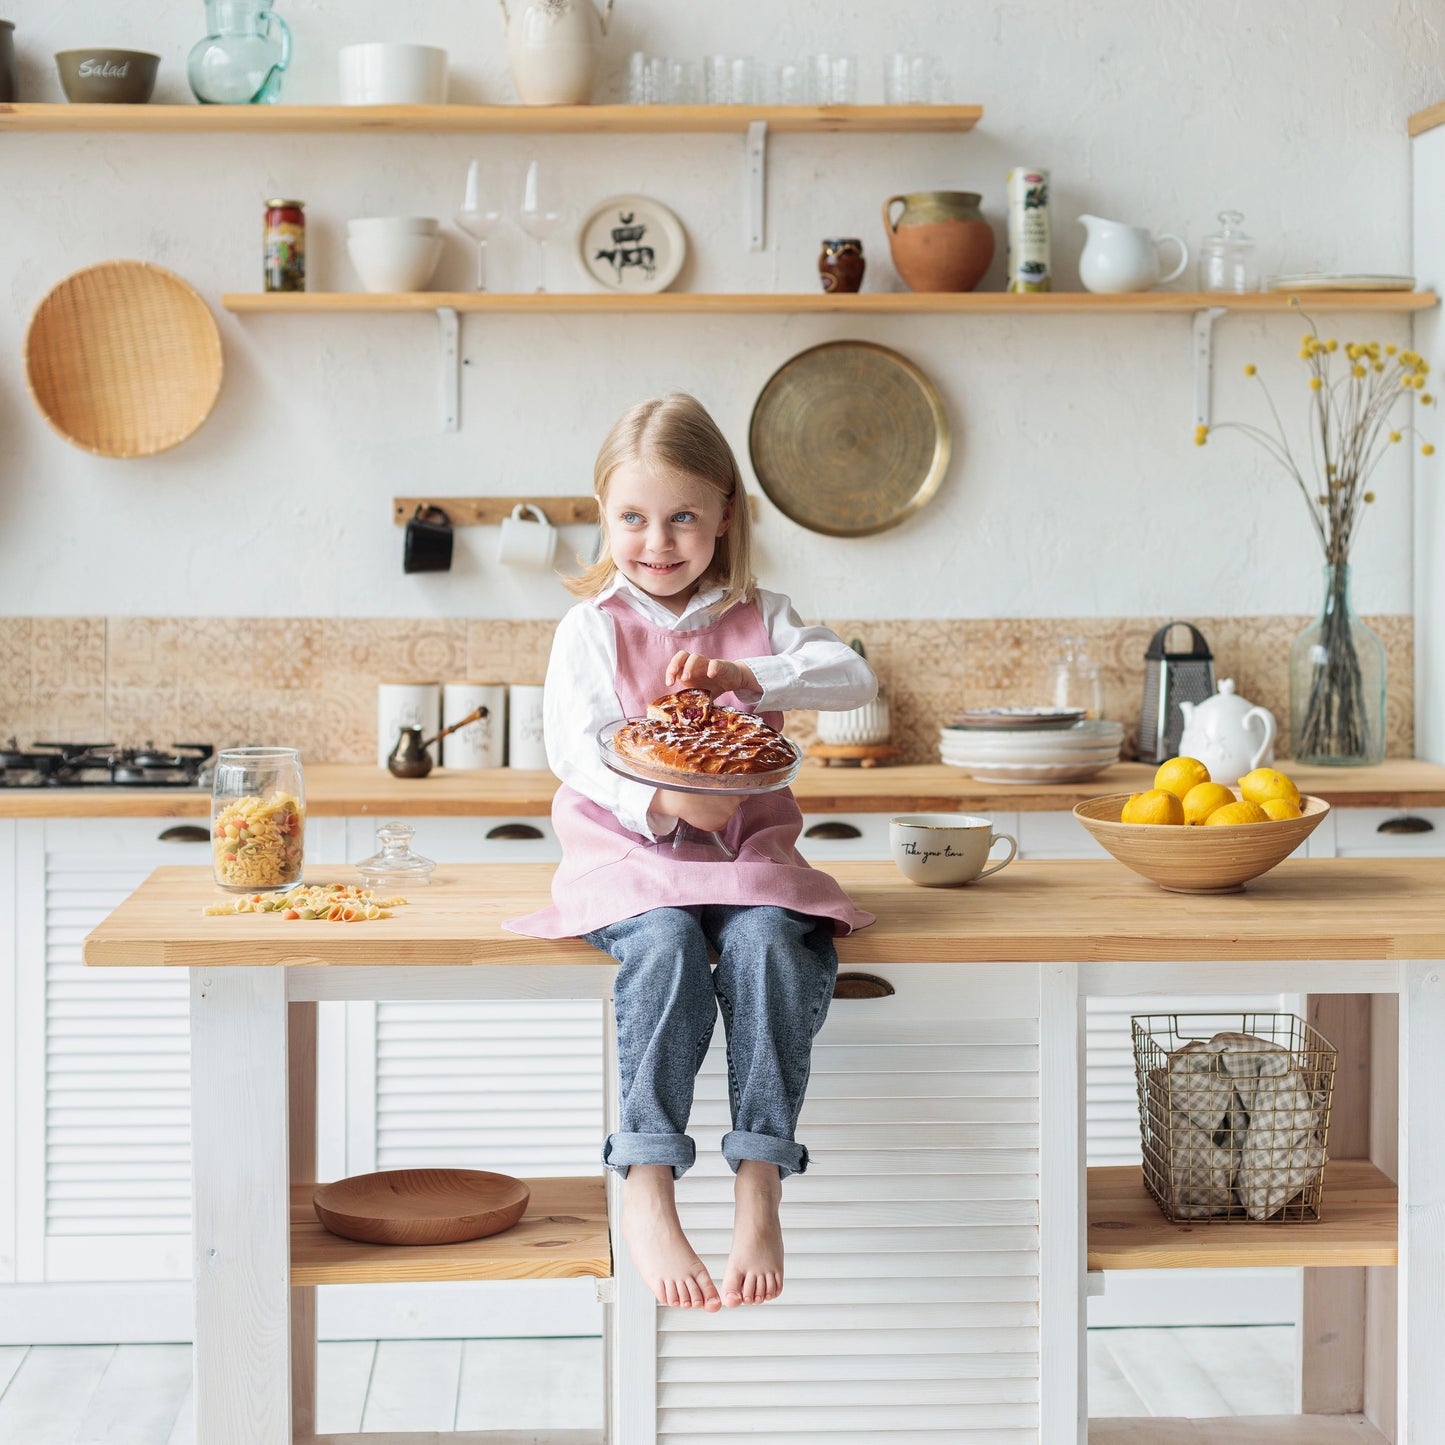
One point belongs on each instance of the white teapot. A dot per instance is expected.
(553, 48)
(1119, 258)
(1221, 733)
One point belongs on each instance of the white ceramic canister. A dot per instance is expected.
(857, 726)
(525, 746)
(481, 744)
(405, 704)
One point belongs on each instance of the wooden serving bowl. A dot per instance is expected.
(421, 1206)
(1198, 859)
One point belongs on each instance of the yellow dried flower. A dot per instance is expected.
(1394, 436)
(1322, 499)
(1378, 365)
(1391, 349)
(1426, 399)
(1427, 450)
(1304, 354)
(1357, 370)
(1249, 369)
(1369, 496)
(1315, 383)
(1332, 345)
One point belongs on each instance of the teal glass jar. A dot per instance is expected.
(243, 56)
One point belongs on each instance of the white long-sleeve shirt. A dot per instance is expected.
(810, 667)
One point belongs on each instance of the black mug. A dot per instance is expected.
(9, 89)
(428, 541)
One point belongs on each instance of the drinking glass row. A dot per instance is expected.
(908, 79)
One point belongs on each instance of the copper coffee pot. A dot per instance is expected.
(410, 759)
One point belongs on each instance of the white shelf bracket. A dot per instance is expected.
(449, 336)
(1204, 361)
(755, 185)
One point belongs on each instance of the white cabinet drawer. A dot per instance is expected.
(1055, 835)
(1376, 831)
(464, 840)
(844, 835)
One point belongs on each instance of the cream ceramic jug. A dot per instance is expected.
(553, 48)
(1120, 258)
(1229, 735)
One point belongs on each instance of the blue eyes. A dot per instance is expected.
(631, 519)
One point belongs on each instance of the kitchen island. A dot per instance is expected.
(966, 1184)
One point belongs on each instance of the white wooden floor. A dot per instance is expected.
(139, 1394)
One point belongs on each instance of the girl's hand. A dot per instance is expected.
(709, 814)
(716, 674)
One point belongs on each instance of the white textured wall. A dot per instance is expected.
(1075, 488)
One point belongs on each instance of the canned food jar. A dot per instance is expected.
(285, 245)
(258, 819)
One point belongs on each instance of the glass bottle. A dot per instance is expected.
(243, 56)
(258, 819)
(1226, 257)
(394, 865)
(1074, 678)
(1337, 683)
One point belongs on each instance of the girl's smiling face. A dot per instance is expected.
(662, 531)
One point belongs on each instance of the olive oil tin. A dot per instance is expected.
(1028, 230)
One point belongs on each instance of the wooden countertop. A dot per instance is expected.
(1034, 911)
(354, 790)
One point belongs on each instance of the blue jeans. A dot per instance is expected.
(774, 981)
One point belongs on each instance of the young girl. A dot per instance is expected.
(671, 604)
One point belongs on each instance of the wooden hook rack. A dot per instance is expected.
(490, 511)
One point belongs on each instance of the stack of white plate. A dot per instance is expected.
(1032, 755)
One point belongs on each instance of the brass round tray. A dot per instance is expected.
(848, 438)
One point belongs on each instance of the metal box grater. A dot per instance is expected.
(1169, 679)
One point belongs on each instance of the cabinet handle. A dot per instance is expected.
(185, 833)
(514, 831)
(1408, 824)
(833, 830)
(861, 985)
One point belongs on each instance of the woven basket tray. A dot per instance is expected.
(123, 359)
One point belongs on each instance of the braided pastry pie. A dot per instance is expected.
(685, 733)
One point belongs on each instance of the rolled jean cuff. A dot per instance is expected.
(621, 1151)
(790, 1157)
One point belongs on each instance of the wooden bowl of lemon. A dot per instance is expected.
(1189, 834)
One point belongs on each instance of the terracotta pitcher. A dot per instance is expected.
(941, 241)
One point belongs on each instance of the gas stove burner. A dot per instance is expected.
(85, 765)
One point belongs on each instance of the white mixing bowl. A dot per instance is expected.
(394, 263)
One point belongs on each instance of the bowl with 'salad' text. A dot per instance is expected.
(107, 77)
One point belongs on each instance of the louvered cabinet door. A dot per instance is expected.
(103, 1060)
(911, 1306)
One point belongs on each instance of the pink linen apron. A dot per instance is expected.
(608, 873)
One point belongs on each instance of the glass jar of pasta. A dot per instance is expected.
(258, 819)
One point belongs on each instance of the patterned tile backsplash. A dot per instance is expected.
(311, 682)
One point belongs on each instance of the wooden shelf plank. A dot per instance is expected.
(479, 119)
(883, 303)
(1236, 1430)
(1427, 119)
(563, 1235)
(1127, 1230)
(492, 511)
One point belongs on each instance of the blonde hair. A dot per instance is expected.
(674, 435)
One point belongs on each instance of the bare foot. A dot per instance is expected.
(659, 1248)
(755, 1264)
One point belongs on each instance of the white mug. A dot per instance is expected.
(390, 74)
(481, 744)
(527, 538)
(943, 850)
(525, 745)
(405, 704)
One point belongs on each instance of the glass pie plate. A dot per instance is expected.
(687, 840)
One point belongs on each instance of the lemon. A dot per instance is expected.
(1155, 806)
(1202, 799)
(1178, 775)
(1243, 812)
(1281, 808)
(1265, 783)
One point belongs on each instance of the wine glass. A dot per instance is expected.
(541, 214)
(480, 212)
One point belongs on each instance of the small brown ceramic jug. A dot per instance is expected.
(941, 241)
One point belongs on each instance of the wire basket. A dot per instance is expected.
(1234, 1111)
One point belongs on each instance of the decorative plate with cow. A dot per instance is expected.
(632, 243)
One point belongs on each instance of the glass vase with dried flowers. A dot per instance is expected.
(1337, 664)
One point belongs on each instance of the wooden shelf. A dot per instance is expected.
(881, 303)
(1127, 1231)
(563, 1235)
(480, 119)
(1238, 1430)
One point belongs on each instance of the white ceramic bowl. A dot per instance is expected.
(393, 226)
(390, 74)
(394, 263)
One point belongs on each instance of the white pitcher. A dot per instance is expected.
(553, 48)
(1220, 732)
(1120, 258)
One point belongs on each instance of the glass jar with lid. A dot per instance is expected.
(1226, 257)
(394, 865)
(258, 819)
(1074, 680)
